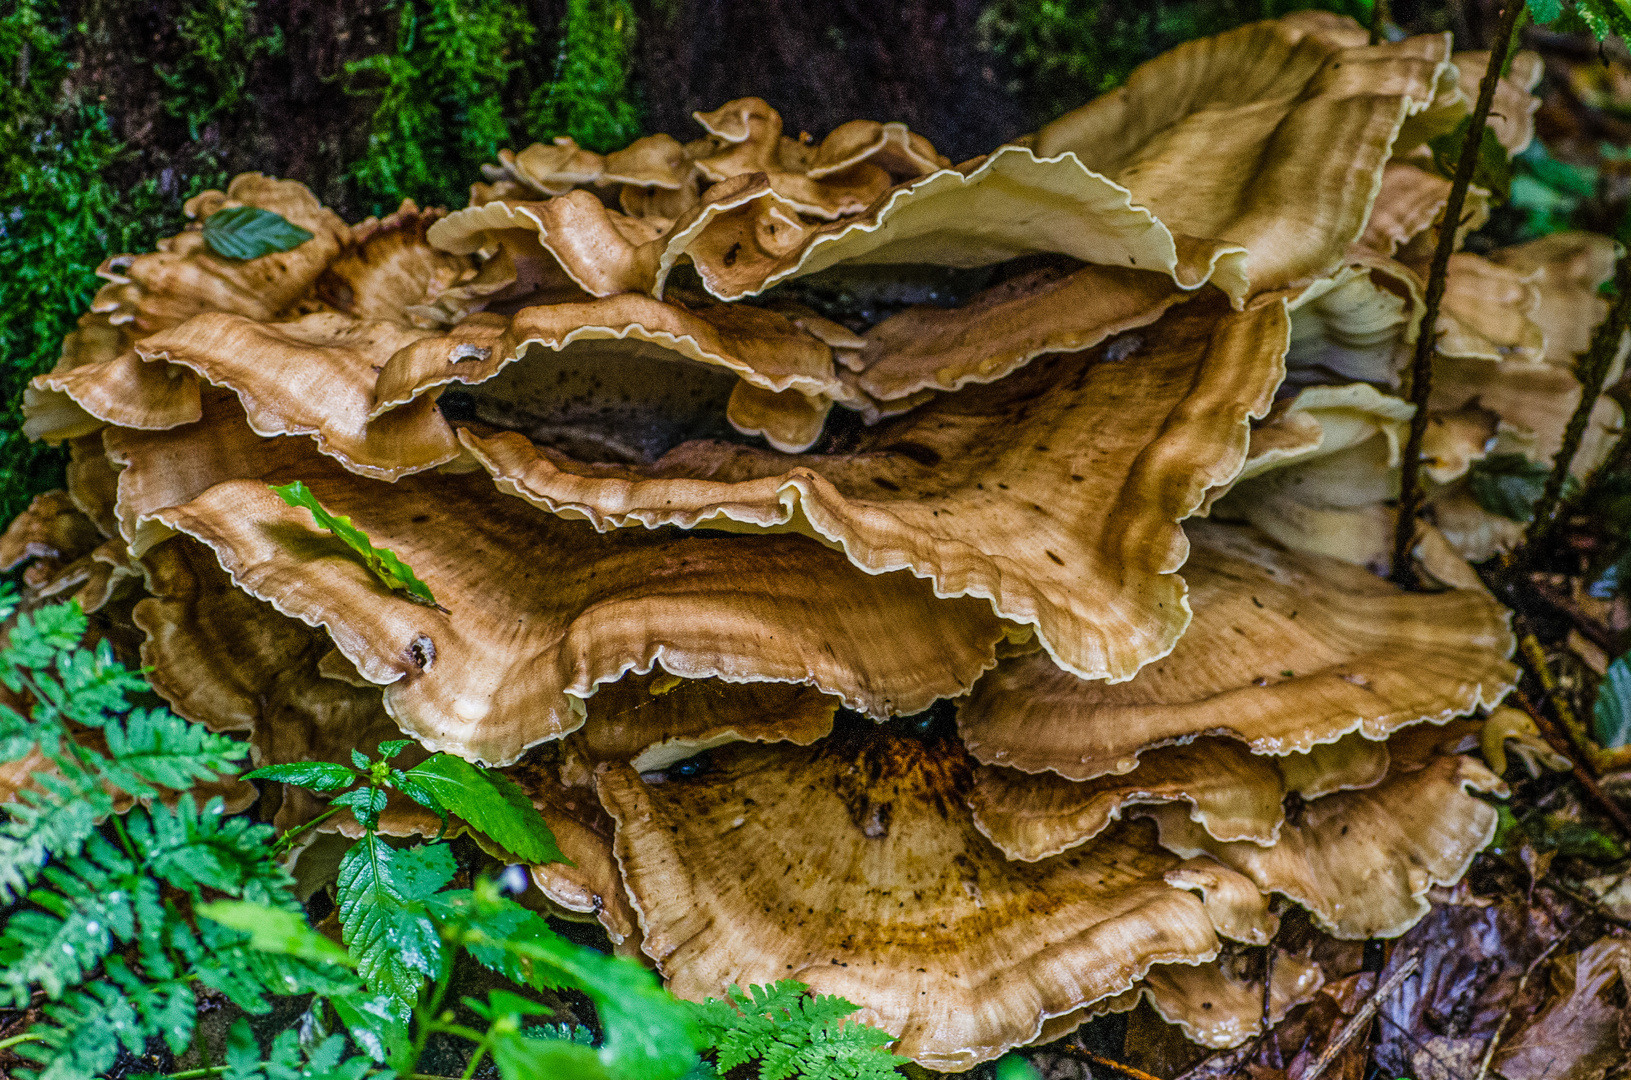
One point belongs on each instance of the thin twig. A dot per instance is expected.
(1582, 776)
(1362, 1017)
(1076, 1050)
(1378, 21)
(1592, 370)
(1421, 364)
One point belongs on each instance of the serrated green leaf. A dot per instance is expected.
(276, 930)
(382, 916)
(248, 232)
(1493, 171)
(317, 775)
(366, 804)
(393, 747)
(492, 804)
(374, 1023)
(384, 564)
(647, 1032)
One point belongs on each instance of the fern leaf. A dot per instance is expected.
(82, 1034)
(156, 747)
(89, 907)
(382, 916)
(166, 1008)
(52, 823)
(792, 1033)
(188, 848)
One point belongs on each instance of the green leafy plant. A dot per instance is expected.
(109, 875)
(791, 1033)
(441, 98)
(590, 96)
(248, 232)
(1611, 714)
(209, 79)
(392, 571)
(1509, 484)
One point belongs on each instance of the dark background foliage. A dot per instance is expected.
(113, 112)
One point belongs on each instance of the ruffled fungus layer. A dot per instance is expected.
(1233, 793)
(851, 865)
(536, 611)
(653, 721)
(1362, 862)
(1286, 651)
(1272, 136)
(1054, 492)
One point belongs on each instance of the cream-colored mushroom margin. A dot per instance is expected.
(539, 611)
(1007, 326)
(1218, 1007)
(852, 866)
(1287, 652)
(764, 349)
(1324, 464)
(1233, 793)
(312, 374)
(1055, 492)
(653, 721)
(1285, 125)
(1362, 862)
(744, 237)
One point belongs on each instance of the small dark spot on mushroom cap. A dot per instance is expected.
(926, 456)
(1054, 557)
(1256, 602)
(422, 651)
(731, 253)
(887, 485)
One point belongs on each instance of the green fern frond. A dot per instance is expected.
(89, 906)
(791, 1032)
(156, 748)
(83, 1034)
(52, 823)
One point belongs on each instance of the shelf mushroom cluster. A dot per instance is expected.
(720, 457)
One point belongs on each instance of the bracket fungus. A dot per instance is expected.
(723, 462)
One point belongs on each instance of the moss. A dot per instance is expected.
(441, 111)
(1061, 53)
(589, 97)
(62, 217)
(208, 81)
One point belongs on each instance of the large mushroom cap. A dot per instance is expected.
(851, 865)
(1233, 793)
(539, 609)
(1363, 861)
(1286, 651)
(1054, 492)
(1272, 136)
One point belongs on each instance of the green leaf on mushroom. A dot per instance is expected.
(392, 571)
(248, 232)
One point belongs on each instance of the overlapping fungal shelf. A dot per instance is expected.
(722, 457)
